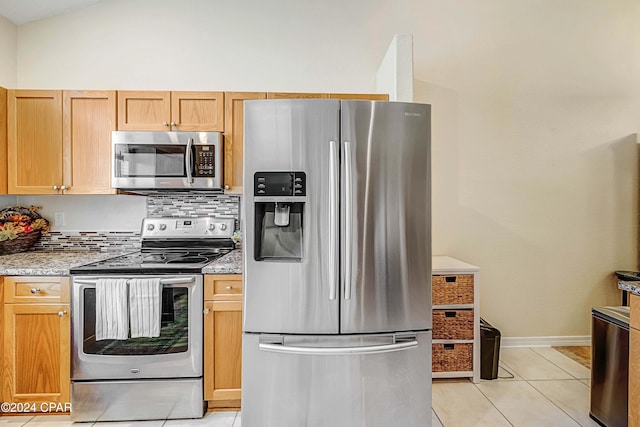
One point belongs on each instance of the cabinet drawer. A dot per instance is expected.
(453, 289)
(456, 357)
(226, 287)
(453, 324)
(36, 289)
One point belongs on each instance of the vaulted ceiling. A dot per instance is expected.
(24, 11)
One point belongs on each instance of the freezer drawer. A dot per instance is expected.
(357, 380)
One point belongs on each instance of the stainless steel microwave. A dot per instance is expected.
(166, 160)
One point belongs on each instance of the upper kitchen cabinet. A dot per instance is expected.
(360, 96)
(290, 95)
(89, 118)
(167, 111)
(34, 141)
(59, 142)
(234, 137)
(3, 140)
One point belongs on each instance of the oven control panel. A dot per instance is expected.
(180, 228)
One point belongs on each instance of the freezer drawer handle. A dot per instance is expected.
(339, 351)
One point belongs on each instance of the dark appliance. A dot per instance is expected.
(610, 366)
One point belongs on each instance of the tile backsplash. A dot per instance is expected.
(159, 204)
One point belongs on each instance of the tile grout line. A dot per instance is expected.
(492, 404)
(552, 402)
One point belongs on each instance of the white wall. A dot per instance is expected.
(8, 53)
(535, 108)
(535, 162)
(395, 73)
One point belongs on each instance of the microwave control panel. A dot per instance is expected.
(205, 160)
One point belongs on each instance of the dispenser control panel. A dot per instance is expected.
(280, 184)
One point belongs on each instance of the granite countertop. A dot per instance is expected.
(48, 263)
(230, 263)
(58, 263)
(632, 287)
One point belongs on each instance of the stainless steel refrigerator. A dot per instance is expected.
(337, 280)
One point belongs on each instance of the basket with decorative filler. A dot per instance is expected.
(20, 228)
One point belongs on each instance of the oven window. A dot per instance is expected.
(140, 161)
(174, 330)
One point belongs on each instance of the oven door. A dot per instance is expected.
(176, 353)
(166, 160)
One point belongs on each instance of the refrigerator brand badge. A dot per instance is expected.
(413, 114)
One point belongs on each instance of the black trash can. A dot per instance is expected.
(489, 350)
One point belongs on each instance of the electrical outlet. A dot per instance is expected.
(59, 219)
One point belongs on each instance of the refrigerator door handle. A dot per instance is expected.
(348, 196)
(339, 351)
(333, 219)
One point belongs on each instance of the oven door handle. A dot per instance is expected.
(169, 281)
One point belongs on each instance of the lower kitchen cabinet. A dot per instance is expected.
(222, 340)
(36, 336)
(456, 319)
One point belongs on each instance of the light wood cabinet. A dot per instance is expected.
(360, 96)
(60, 142)
(291, 95)
(223, 340)
(234, 137)
(456, 319)
(171, 111)
(34, 141)
(36, 328)
(88, 119)
(3, 140)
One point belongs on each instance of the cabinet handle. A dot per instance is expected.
(226, 187)
(35, 290)
(174, 124)
(55, 187)
(64, 187)
(165, 124)
(206, 311)
(62, 313)
(229, 288)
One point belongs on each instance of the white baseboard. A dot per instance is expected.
(545, 341)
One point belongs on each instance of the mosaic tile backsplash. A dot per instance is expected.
(159, 204)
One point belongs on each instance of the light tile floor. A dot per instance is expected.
(546, 389)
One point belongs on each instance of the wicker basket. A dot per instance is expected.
(456, 357)
(23, 242)
(452, 289)
(452, 324)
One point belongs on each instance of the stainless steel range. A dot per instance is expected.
(136, 324)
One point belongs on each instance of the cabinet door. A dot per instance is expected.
(36, 353)
(361, 96)
(197, 111)
(3, 140)
(34, 141)
(234, 137)
(289, 95)
(89, 118)
(144, 110)
(223, 353)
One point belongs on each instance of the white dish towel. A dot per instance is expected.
(112, 320)
(145, 311)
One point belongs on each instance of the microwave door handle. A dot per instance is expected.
(188, 160)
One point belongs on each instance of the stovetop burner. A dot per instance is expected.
(171, 245)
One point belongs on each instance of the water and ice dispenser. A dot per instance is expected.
(279, 199)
